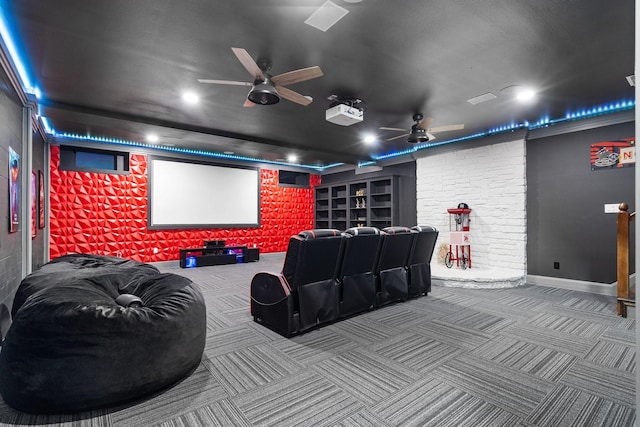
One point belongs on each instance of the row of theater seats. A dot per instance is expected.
(328, 275)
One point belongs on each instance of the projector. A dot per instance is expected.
(344, 115)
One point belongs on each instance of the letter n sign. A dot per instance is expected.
(627, 156)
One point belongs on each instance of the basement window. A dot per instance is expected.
(91, 160)
(293, 179)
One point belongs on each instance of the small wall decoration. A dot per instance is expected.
(14, 191)
(40, 200)
(34, 205)
(613, 154)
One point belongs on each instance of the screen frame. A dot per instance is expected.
(151, 225)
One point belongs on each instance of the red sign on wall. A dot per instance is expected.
(613, 154)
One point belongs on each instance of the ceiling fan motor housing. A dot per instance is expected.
(417, 135)
(263, 92)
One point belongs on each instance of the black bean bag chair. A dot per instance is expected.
(69, 267)
(85, 341)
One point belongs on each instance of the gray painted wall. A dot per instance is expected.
(566, 222)
(10, 244)
(37, 244)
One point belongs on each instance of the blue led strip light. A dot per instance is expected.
(542, 122)
(47, 126)
(12, 49)
(203, 153)
(600, 110)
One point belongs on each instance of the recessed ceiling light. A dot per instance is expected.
(369, 138)
(292, 158)
(526, 95)
(152, 138)
(510, 90)
(520, 93)
(190, 97)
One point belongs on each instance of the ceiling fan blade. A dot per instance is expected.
(292, 96)
(248, 63)
(297, 76)
(397, 137)
(431, 136)
(248, 103)
(225, 82)
(446, 128)
(425, 123)
(394, 129)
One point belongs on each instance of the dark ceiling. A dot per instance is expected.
(117, 68)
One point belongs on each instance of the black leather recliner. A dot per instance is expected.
(305, 294)
(391, 269)
(356, 278)
(419, 264)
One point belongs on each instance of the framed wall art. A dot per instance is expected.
(41, 204)
(14, 191)
(34, 205)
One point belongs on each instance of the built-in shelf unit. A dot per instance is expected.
(368, 202)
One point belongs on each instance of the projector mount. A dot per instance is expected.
(351, 101)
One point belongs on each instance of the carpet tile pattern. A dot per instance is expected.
(531, 356)
(412, 350)
(540, 361)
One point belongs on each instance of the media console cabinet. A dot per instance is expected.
(205, 256)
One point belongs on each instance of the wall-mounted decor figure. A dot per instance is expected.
(14, 191)
(620, 153)
(34, 205)
(40, 199)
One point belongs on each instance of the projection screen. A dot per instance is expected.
(186, 194)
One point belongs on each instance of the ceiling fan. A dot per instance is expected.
(268, 89)
(421, 130)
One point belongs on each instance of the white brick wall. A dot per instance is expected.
(492, 181)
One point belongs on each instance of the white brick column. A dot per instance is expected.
(492, 181)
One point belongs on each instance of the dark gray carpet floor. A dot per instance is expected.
(528, 356)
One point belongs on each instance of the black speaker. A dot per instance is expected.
(252, 254)
(214, 244)
(206, 260)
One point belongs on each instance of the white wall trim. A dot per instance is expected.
(26, 167)
(610, 289)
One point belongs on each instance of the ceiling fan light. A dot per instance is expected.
(417, 135)
(264, 93)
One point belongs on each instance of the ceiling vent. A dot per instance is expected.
(481, 98)
(631, 80)
(326, 16)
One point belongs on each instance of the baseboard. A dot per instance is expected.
(610, 289)
(167, 264)
(632, 281)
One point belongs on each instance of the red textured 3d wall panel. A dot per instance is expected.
(107, 214)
